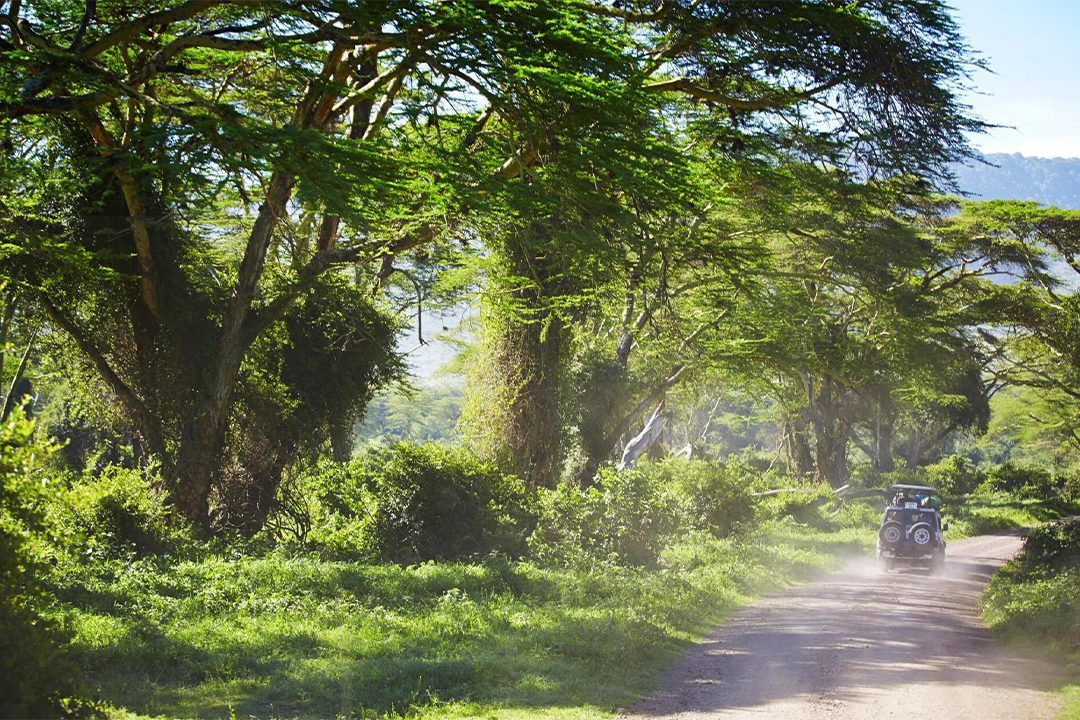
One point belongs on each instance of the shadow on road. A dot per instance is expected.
(855, 635)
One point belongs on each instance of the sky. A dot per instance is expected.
(1033, 49)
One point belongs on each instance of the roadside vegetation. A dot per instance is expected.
(1034, 601)
(413, 581)
(491, 599)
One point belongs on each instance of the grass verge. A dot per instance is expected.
(293, 636)
(1034, 601)
(994, 511)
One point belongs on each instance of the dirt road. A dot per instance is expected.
(862, 645)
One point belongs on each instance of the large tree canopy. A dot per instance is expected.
(184, 183)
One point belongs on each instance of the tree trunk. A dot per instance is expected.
(800, 454)
(516, 416)
(528, 362)
(198, 463)
(830, 431)
(883, 438)
(341, 440)
(649, 438)
(915, 450)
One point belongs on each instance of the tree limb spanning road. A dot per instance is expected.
(862, 645)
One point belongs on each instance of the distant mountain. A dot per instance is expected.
(1051, 181)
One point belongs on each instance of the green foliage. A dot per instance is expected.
(297, 636)
(340, 350)
(36, 671)
(713, 496)
(624, 517)
(629, 516)
(1022, 481)
(802, 502)
(1070, 484)
(952, 476)
(1035, 599)
(121, 514)
(1054, 545)
(411, 503)
(426, 414)
(989, 511)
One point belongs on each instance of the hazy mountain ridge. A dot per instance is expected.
(1012, 176)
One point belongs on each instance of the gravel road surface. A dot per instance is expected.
(864, 645)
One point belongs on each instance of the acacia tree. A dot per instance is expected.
(182, 179)
(871, 328)
(868, 88)
(1035, 332)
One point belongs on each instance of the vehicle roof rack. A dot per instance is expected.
(921, 488)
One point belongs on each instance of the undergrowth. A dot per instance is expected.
(423, 583)
(287, 635)
(991, 511)
(1035, 600)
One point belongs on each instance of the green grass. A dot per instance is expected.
(295, 636)
(1071, 698)
(991, 512)
(288, 636)
(1034, 601)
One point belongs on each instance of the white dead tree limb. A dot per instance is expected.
(640, 444)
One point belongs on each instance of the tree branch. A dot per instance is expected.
(689, 87)
(123, 391)
(9, 396)
(659, 13)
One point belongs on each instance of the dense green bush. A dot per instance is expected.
(36, 675)
(410, 503)
(1024, 481)
(1069, 479)
(803, 502)
(714, 496)
(623, 518)
(627, 516)
(953, 475)
(1055, 546)
(1036, 596)
(120, 514)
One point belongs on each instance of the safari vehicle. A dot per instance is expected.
(911, 529)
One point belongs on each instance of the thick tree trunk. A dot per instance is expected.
(341, 441)
(529, 361)
(915, 449)
(198, 463)
(518, 418)
(832, 459)
(830, 431)
(883, 439)
(800, 454)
